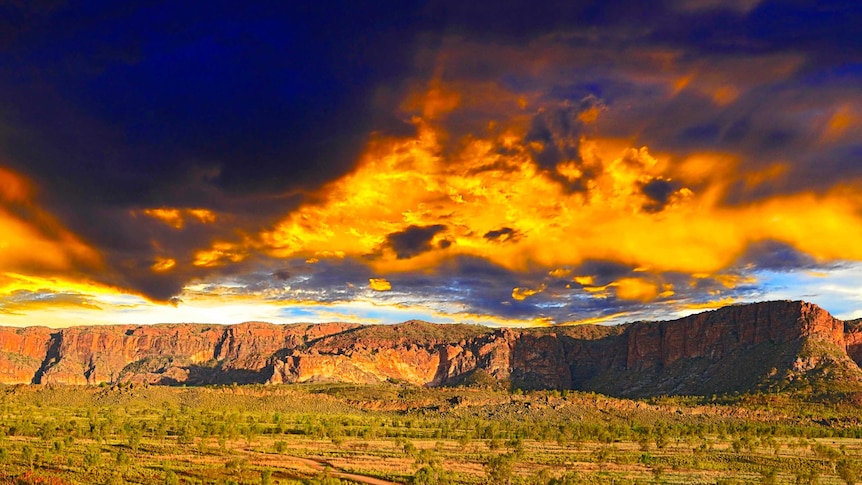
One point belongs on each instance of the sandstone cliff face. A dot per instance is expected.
(733, 348)
(718, 333)
(413, 352)
(159, 354)
(853, 339)
(22, 351)
(722, 350)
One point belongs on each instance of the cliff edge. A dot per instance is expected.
(762, 346)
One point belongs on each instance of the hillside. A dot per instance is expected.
(766, 346)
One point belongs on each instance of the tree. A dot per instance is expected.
(811, 476)
(171, 478)
(769, 477)
(661, 440)
(134, 440)
(827, 453)
(426, 457)
(847, 471)
(266, 477)
(430, 475)
(122, 458)
(572, 478)
(410, 449)
(92, 458)
(27, 455)
(500, 469)
(657, 472)
(644, 442)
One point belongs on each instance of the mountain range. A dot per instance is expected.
(768, 346)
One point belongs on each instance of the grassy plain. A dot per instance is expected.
(394, 433)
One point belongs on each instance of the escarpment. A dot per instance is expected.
(761, 346)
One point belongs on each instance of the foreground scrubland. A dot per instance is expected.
(397, 433)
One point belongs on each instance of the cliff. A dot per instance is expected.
(767, 346)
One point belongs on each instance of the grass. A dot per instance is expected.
(308, 434)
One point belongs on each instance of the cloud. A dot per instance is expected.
(22, 301)
(217, 113)
(522, 294)
(605, 161)
(379, 284)
(176, 218)
(501, 235)
(742, 6)
(32, 239)
(659, 192)
(777, 256)
(414, 240)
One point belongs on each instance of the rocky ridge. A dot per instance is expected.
(763, 346)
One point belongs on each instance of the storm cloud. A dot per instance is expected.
(547, 162)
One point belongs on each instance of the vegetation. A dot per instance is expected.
(343, 434)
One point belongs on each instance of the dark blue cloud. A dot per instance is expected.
(501, 235)
(414, 240)
(124, 98)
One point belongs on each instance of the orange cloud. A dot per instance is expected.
(636, 289)
(560, 272)
(13, 188)
(584, 280)
(841, 121)
(710, 305)
(205, 216)
(522, 294)
(11, 282)
(474, 188)
(163, 264)
(379, 284)
(32, 239)
(400, 183)
(220, 254)
(732, 281)
(176, 218)
(725, 80)
(171, 217)
(620, 316)
(768, 174)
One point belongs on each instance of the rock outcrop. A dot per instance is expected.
(767, 345)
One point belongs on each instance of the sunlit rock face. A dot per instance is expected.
(716, 334)
(734, 348)
(22, 352)
(764, 346)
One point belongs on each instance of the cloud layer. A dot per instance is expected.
(552, 164)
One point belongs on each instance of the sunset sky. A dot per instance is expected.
(550, 163)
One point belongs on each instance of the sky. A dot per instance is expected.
(502, 163)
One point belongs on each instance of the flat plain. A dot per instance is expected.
(400, 433)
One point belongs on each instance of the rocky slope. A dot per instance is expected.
(771, 345)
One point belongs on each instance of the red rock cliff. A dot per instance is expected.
(645, 357)
(717, 333)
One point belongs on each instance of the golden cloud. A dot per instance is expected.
(220, 254)
(522, 294)
(176, 217)
(559, 272)
(584, 280)
(30, 237)
(636, 289)
(481, 183)
(379, 284)
(162, 265)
